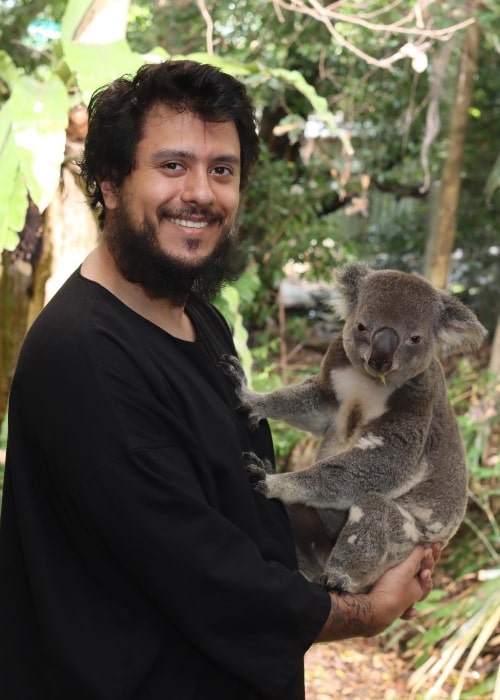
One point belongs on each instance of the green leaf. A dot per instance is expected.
(96, 65)
(229, 302)
(13, 193)
(318, 103)
(155, 55)
(39, 117)
(297, 80)
(228, 66)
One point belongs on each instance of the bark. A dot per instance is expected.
(443, 223)
(14, 308)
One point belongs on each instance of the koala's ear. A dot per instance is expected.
(457, 326)
(348, 281)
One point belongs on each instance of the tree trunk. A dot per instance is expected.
(104, 22)
(494, 364)
(443, 223)
(15, 287)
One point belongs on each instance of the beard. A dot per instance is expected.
(140, 259)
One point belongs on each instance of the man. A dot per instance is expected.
(137, 562)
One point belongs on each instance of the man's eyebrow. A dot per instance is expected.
(174, 153)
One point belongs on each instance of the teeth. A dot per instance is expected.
(189, 224)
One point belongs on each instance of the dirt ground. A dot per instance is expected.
(356, 669)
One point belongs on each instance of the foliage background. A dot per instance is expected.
(357, 191)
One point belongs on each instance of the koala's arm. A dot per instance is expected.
(386, 459)
(302, 405)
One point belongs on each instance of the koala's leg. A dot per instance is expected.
(313, 539)
(316, 487)
(376, 536)
(301, 405)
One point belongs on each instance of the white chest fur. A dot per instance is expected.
(360, 400)
(351, 388)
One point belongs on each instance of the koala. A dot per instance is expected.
(390, 470)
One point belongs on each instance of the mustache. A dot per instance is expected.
(206, 213)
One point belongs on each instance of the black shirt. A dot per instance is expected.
(136, 561)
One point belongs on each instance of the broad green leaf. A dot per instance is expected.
(13, 194)
(39, 114)
(231, 297)
(155, 55)
(15, 215)
(98, 64)
(228, 66)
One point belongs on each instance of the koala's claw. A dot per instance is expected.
(257, 469)
(253, 419)
(335, 581)
(232, 368)
(256, 475)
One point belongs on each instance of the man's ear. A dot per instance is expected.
(108, 190)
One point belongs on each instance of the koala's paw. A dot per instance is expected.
(253, 419)
(232, 368)
(333, 580)
(257, 470)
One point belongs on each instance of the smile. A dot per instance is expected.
(189, 224)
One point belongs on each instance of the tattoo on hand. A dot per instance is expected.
(354, 613)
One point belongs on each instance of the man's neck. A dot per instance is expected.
(100, 267)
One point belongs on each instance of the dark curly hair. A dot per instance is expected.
(117, 113)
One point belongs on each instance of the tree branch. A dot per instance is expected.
(210, 25)
(329, 16)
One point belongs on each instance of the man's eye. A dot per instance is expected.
(171, 166)
(222, 170)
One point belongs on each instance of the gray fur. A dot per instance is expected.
(390, 470)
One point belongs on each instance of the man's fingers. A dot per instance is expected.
(409, 614)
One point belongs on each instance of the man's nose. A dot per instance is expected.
(197, 187)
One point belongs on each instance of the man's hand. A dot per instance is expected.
(431, 558)
(392, 596)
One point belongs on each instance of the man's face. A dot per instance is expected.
(176, 211)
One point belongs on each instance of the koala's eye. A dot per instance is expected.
(415, 339)
(361, 328)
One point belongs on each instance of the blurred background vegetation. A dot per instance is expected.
(380, 141)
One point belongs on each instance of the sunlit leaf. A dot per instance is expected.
(39, 117)
(227, 65)
(98, 64)
(13, 194)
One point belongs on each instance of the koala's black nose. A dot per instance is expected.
(385, 342)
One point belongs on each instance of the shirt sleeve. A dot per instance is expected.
(253, 618)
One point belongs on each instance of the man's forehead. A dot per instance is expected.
(160, 113)
(184, 131)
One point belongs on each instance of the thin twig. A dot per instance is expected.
(210, 25)
(328, 16)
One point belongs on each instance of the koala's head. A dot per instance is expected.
(394, 322)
